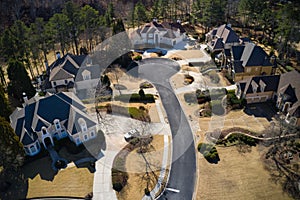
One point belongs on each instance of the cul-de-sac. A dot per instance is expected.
(143, 100)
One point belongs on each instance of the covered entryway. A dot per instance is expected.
(48, 141)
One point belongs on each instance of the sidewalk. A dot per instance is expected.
(102, 187)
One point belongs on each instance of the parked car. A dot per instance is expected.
(131, 135)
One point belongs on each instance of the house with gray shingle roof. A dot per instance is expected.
(222, 38)
(86, 80)
(156, 34)
(284, 89)
(62, 72)
(249, 60)
(54, 116)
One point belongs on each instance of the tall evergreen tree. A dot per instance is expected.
(71, 10)
(5, 110)
(140, 13)
(19, 80)
(58, 27)
(90, 22)
(12, 153)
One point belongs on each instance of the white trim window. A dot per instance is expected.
(57, 124)
(82, 124)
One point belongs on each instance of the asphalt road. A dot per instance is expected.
(183, 170)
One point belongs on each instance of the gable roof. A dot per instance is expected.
(170, 34)
(59, 73)
(65, 67)
(289, 85)
(95, 71)
(227, 34)
(270, 82)
(45, 111)
(254, 56)
(237, 52)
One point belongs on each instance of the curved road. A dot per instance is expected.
(183, 170)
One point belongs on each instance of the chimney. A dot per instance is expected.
(178, 21)
(57, 55)
(154, 20)
(25, 98)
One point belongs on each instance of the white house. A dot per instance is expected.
(157, 34)
(62, 73)
(56, 116)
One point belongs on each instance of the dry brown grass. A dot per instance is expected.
(236, 176)
(135, 166)
(72, 181)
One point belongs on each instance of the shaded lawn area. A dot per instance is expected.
(237, 176)
(72, 182)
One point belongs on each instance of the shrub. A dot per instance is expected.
(137, 58)
(209, 152)
(135, 98)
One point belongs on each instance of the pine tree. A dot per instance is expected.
(11, 149)
(19, 80)
(4, 107)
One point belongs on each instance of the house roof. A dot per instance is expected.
(237, 66)
(227, 34)
(66, 67)
(45, 111)
(270, 83)
(217, 44)
(59, 73)
(289, 85)
(254, 56)
(95, 71)
(237, 52)
(170, 34)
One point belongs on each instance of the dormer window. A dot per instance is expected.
(86, 75)
(57, 124)
(44, 131)
(254, 86)
(82, 124)
(262, 86)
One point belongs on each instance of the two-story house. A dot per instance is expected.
(249, 60)
(284, 89)
(62, 73)
(156, 34)
(42, 120)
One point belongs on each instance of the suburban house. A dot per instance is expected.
(42, 120)
(221, 38)
(62, 72)
(158, 34)
(284, 89)
(86, 80)
(249, 60)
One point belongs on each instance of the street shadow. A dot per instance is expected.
(266, 110)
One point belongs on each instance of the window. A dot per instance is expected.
(57, 124)
(32, 149)
(85, 137)
(82, 124)
(54, 83)
(44, 131)
(87, 77)
(92, 134)
(66, 81)
(78, 140)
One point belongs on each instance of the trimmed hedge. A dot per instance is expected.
(135, 98)
(242, 138)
